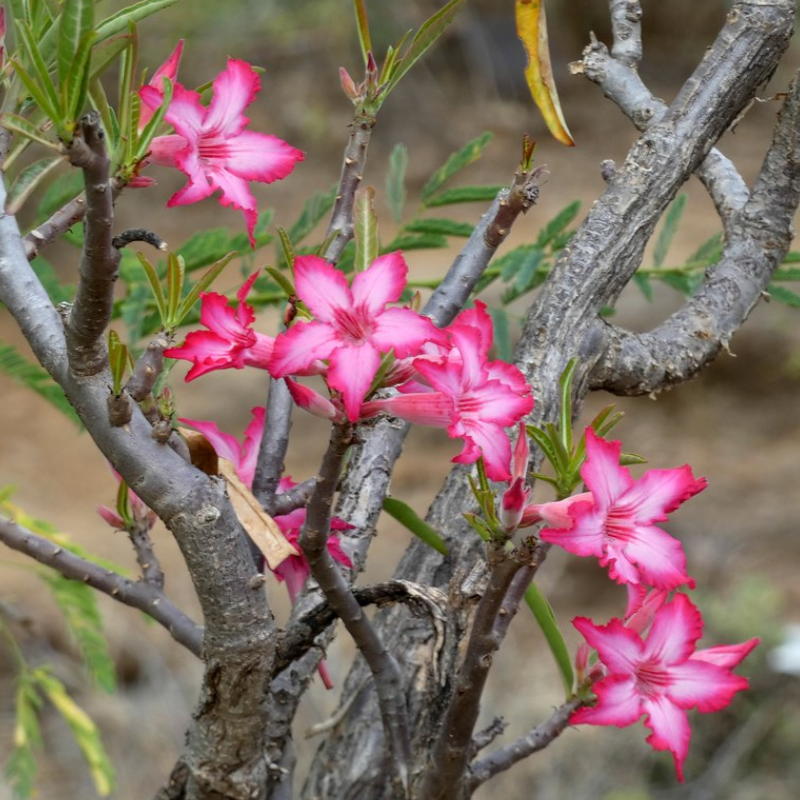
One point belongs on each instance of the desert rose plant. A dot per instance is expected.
(361, 345)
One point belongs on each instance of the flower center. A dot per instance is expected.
(354, 324)
(213, 148)
(651, 678)
(618, 525)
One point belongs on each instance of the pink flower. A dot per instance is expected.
(352, 326)
(212, 146)
(661, 676)
(617, 524)
(512, 503)
(230, 341)
(473, 398)
(169, 69)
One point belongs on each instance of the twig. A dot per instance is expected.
(147, 369)
(299, 638)
(296, 497)
(274, 443)
(626, 26)
(485, 737)
(139, 534)
(453, 748)
(535, 740)
(60, 222)
(341, 226)
(313, 541)
(91, 311)
(145, 596)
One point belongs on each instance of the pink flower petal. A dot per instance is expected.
(234, 89)
(186, 113)
(670, 728)
(382, 283)
(322, 287)
(728, 656)
(424, 408)
(351, 371)
(602, 472)
(617, 704)
(260, 157)
(676, 629)
(657, 555)
(587, 535)
(659, 492)
(707, 687)
(619, 648)
(218, 316)
(401, 330)
(298, 348)
(226, 446)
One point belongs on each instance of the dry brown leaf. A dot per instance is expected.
(260, 526)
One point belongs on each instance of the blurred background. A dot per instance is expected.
(737, 424)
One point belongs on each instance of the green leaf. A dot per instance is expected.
(565, 407)
(118, 360)
(645, 285)
(786, 275)
(202, 286)
(710, 251)
(671, 220)
(75, 23)
(78, 603)
(154, 123)
(105, 53)
(685, 283)
(20, 769)
(423, 40)
(792, 257)
(464, 194)
(366, 229)
(396, 182)
(64, 188)
(467, 155)
(532, 273)
(23, 127)
(362, 25)
(85, 732)
(287, 247)
(26, 183)
(13, 364)
(316, 207)
(544, 443)
(76, 89)
(176, 272)
(118, 23)
(282, 280)
(546, 618)
(427, 241)
(45, 97)
(558, 224)
(784, 295)
(409, 518)
(441, 227)
(155, 286)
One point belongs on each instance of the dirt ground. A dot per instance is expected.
(737, 424)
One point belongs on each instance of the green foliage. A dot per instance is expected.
(440, 227)
(366, 229)
(16, 366)
(409, 519)
(396, 182)
(317, 206)
(20, 769)
(78, 604)
(671, 221)
(467, 155)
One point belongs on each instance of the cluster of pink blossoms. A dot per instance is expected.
(659, 673)
(443, 377)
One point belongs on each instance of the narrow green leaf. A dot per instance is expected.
(155, 286)
(316, 207)
(75, 22)
(118, 23)
(546, 618)
(99, 101)
(176, 272)
(202, 285)
(710, 251)
(565, 409)
(287, 247)
(362, 25)
(20, 10)
(118, 360)
(282, 280)
(105, 53)
(558, 224)
(78, 604)
(426, 241)
(40, 91)
(645, 285)
(85, 732)
(786, 275)
(26, 183)
(366, 229)
(792, 257)
(441, 227)
(423, 40)
(409, 518)
(24, 127)
(20, 769)
(396, 182)
(76, 89)
(64, 188)
(154, 123)
(13, 364)
(128, 128)
(671, 220)
(464, 194)
(784, 295)
(543, 442)
(467, 155)
(38, 60)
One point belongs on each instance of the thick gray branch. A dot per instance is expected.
(756, 244)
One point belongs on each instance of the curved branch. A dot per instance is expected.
(691, 338)
(138, 594)
(274, 443)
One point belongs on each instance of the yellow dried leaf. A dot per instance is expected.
(532, 30)
(260, 526)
